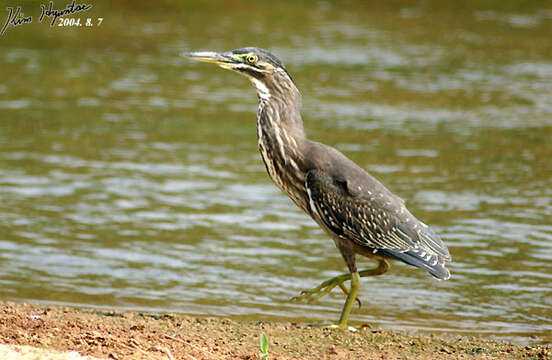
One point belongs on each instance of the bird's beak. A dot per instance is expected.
(221, 59)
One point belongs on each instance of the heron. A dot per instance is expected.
(356, 210)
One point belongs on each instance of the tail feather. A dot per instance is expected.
(432, 263)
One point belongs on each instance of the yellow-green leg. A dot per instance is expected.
(313, 295)
(351, 297)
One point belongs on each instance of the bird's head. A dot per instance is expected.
(265, 70)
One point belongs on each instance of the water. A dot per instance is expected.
(130, 177)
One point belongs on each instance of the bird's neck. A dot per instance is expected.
(279, 106)
(280, 138)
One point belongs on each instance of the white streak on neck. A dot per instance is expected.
(262, 90)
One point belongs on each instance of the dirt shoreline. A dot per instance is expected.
(30, 331)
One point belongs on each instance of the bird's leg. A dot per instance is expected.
(314, 294)
(328, 285)
(382, 268)
(348, 306)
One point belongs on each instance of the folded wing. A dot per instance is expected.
(378, 221)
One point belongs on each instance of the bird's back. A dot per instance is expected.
(356, 206)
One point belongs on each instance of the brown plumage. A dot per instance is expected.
(354, 208)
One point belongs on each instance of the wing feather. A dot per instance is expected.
(379, 223)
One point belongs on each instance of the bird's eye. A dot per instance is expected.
(251, 59)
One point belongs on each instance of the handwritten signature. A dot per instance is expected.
(72, 8)
(17, 18)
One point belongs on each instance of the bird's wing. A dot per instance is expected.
(379, 223)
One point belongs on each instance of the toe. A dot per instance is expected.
(342, 327)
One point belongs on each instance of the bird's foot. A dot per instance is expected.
(313, 295)
(342, 327)
(330, 325)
